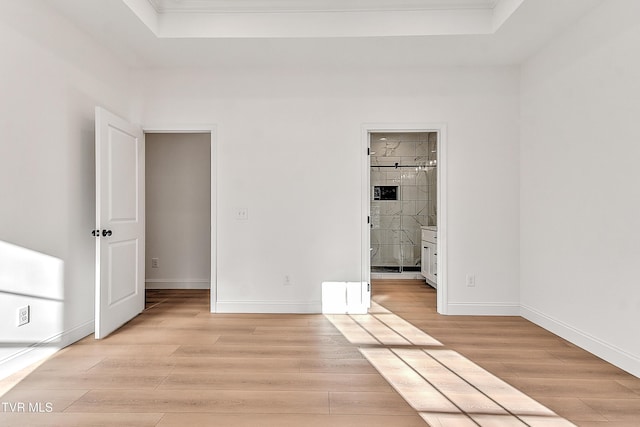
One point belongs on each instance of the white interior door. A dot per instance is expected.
(119, 222)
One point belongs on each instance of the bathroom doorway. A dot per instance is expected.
(367, 194)
(403, 200)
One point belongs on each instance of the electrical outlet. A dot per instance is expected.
(471, 281)
(24, 315)
(155, 263)
(242, 214)
(287, 280)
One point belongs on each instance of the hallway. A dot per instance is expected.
(176, 364)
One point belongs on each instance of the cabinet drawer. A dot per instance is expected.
(429, 236)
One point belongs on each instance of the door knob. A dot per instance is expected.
(106, 233)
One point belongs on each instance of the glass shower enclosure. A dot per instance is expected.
(403, 194)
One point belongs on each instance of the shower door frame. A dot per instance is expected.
(441, 129)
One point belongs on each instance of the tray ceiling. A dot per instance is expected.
(477, 35)
(164, 6)
(321, 18)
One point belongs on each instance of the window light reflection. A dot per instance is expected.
(446, 388)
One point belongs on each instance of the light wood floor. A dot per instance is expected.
(178, 365)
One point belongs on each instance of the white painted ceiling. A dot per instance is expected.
(190, 42)
(163, 6)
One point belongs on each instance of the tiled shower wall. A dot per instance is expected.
(395, 232)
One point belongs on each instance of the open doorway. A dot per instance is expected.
(408, 205)
(178, 189)
(403, 175)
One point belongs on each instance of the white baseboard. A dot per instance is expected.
(268, 307)
(407, 275)
(602, 349)
(177, 284)
(483, 309)
(43, 349)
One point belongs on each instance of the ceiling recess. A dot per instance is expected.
(266, 6)
(321, 18)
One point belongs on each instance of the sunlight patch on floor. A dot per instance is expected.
(412, 387)
(382, 332)
(447, 389)
(448, 420)
(407, 330)
(351, 330)
(377, 308)
(508, 396)
(461, 393)
(385, 328)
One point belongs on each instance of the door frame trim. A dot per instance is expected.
(441, 128)
(212, 130)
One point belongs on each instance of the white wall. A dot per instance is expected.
(178, 210)
(580, 198)
(51, 78)
(289, 150)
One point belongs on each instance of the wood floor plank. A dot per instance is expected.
(97, 349)
(572, 408)
(278, 381)
(448, 420)
(332, 352)
(289, 420)
(80, 420)
(159, 337)
(272, 340)
(576, 370)
(351, 366)
(70, 363)
(379, 330)
(585, 388)
(235, 364)
(225, 401)
(407, 330)
(616, 409)
(89, 380)
(630, 382)
(114, 365)
(351, 330)
(420, 394)
(369, 403)
(297, 330)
